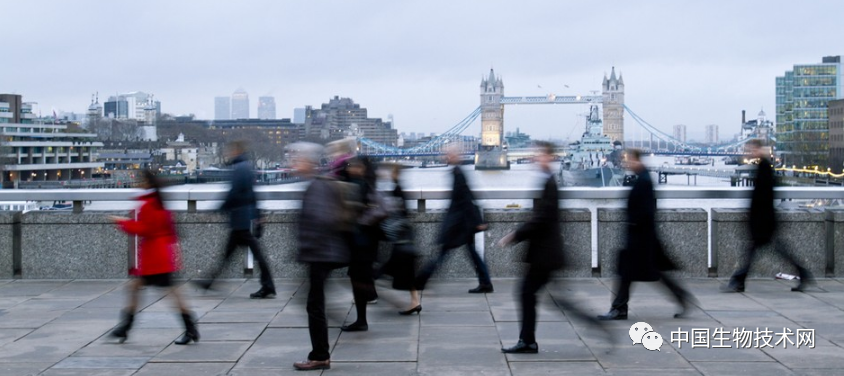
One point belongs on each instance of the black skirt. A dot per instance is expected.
(158, 280)
(402, 267)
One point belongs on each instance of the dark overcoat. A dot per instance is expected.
(542, 231)
(643, 256)
(241, 202)
(763, 221)
(463, 217)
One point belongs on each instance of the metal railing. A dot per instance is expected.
(192, 195)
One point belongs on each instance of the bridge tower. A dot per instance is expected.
(491, 154)
(613, 102)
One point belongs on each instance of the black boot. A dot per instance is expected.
(191, 333)
(121, 332)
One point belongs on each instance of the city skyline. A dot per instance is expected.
(678, 70)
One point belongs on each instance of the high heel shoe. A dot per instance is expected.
(417, 309)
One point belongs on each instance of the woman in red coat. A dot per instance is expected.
(158, 257)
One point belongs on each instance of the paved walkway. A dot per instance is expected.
(60, 327)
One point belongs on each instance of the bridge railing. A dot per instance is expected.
(192, 195)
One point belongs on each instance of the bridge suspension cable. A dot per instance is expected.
(677, 143)
(430, 146)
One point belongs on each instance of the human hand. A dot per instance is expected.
(507, 239)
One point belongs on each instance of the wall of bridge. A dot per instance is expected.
(64, 245)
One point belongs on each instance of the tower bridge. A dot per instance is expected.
(492, 152)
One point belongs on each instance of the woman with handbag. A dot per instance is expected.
(365, 239)
(398, 231)
(158, 258)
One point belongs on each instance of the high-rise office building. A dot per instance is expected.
(134, 105)
(222, 108)
(680, 132)
(836, 135)
(803, 96)
(266, 108)
(240, 105)
(712, 134)
(299, 115)
(14, 110)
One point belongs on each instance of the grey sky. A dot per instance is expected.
(687, 62)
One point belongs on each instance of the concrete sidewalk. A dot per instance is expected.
(60, 328)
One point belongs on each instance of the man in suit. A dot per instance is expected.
(643, 258)
(545, 251)
(242, 205)
(462, 221)
(763, 223)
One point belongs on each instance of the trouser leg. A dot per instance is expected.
(231, 246)
(480, 265)
(532, 283)
(676, 289)
(622, 294)
(741, 274)
(429, 269)
(317, 322)
(258, 255)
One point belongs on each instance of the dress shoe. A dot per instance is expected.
(373, 301)
(732, 287)
(614, 314)
(309, 365)
(417, 309)
(482, 289)
(355, 327)
(521, 348)
(263, 294)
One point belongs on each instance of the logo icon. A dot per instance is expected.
(642, 332)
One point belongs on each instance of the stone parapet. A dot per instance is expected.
(683, 233)
(801, 232)
(64, 245)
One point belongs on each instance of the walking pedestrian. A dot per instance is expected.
(643, 257)
(398, 231)
(242, 206)
(545, 250)
(462, 221)
(366, 238)
(158, 258)
(322, 244)
(763, 224)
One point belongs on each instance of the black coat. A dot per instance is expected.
(241, 202)
(320, 236)
(542, 231)
(462, 217)
(643, 256)
(763, 222)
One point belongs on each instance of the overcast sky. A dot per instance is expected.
(694, 63)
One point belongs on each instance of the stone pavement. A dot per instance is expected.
(52, 327)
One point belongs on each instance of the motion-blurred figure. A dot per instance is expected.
(399, 232)
(643, 258)
(242, 205)
(322, 243)
(158, 255)
(545, 249)
(763, 224)
(462, 221)
(367, 234)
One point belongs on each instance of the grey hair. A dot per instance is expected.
(305, 150)
(341, 147)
